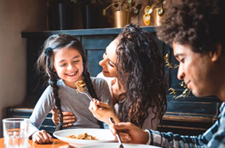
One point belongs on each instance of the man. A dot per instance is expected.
(195, 29)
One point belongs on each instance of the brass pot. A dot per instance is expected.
(121, 18)
(156, 18)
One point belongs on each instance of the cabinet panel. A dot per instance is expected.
(94, 56)
(97, 42)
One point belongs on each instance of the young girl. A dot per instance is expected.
(63, 61)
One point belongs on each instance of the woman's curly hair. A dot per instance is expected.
(141, 69)
(198, 23)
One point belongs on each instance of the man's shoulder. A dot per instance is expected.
(222, 108)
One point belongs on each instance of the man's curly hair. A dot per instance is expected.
(198, 23)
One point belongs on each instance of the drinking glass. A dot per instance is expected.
(15, 131)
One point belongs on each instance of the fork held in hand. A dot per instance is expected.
(117, 135)
(89, 96)
(80, 85)
(58, 127)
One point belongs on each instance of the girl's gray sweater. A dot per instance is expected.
(71, 101)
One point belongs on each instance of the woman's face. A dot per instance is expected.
(109, 59)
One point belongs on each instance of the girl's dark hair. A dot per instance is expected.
(198, 23)
(46, 59)
(141, 69)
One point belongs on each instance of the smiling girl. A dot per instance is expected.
(63, 61)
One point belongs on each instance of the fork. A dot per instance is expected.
(82, 92)
(117, 135)
(58, 126)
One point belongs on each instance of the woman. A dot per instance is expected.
(139, 88)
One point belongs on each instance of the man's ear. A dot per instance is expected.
(216, 54)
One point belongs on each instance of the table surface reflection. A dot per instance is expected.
(55, 144)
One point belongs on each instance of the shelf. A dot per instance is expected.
(81, 32)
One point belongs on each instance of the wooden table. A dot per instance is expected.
(56, 144)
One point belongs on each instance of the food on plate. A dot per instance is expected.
(84, 136)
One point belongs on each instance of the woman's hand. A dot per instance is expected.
(68, 118)
(130, 133)
(102, 111)
(41, 137)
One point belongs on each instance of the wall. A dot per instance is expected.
(15, 17)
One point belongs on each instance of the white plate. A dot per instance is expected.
(116, 145)
(103, 135)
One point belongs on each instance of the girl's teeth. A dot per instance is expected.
(71, 74)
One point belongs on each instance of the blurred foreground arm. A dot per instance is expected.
(130, 133)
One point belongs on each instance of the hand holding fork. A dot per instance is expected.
(117, 135)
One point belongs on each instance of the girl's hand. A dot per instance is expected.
(102, 111)
(68, 118)
(41, 137)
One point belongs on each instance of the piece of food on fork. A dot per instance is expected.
(80, 85)
(80, 88)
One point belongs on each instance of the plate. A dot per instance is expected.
(103, 135)
(116, 145)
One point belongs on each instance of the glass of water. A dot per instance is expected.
(15, 131)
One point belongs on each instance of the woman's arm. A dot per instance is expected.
(102, 111)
